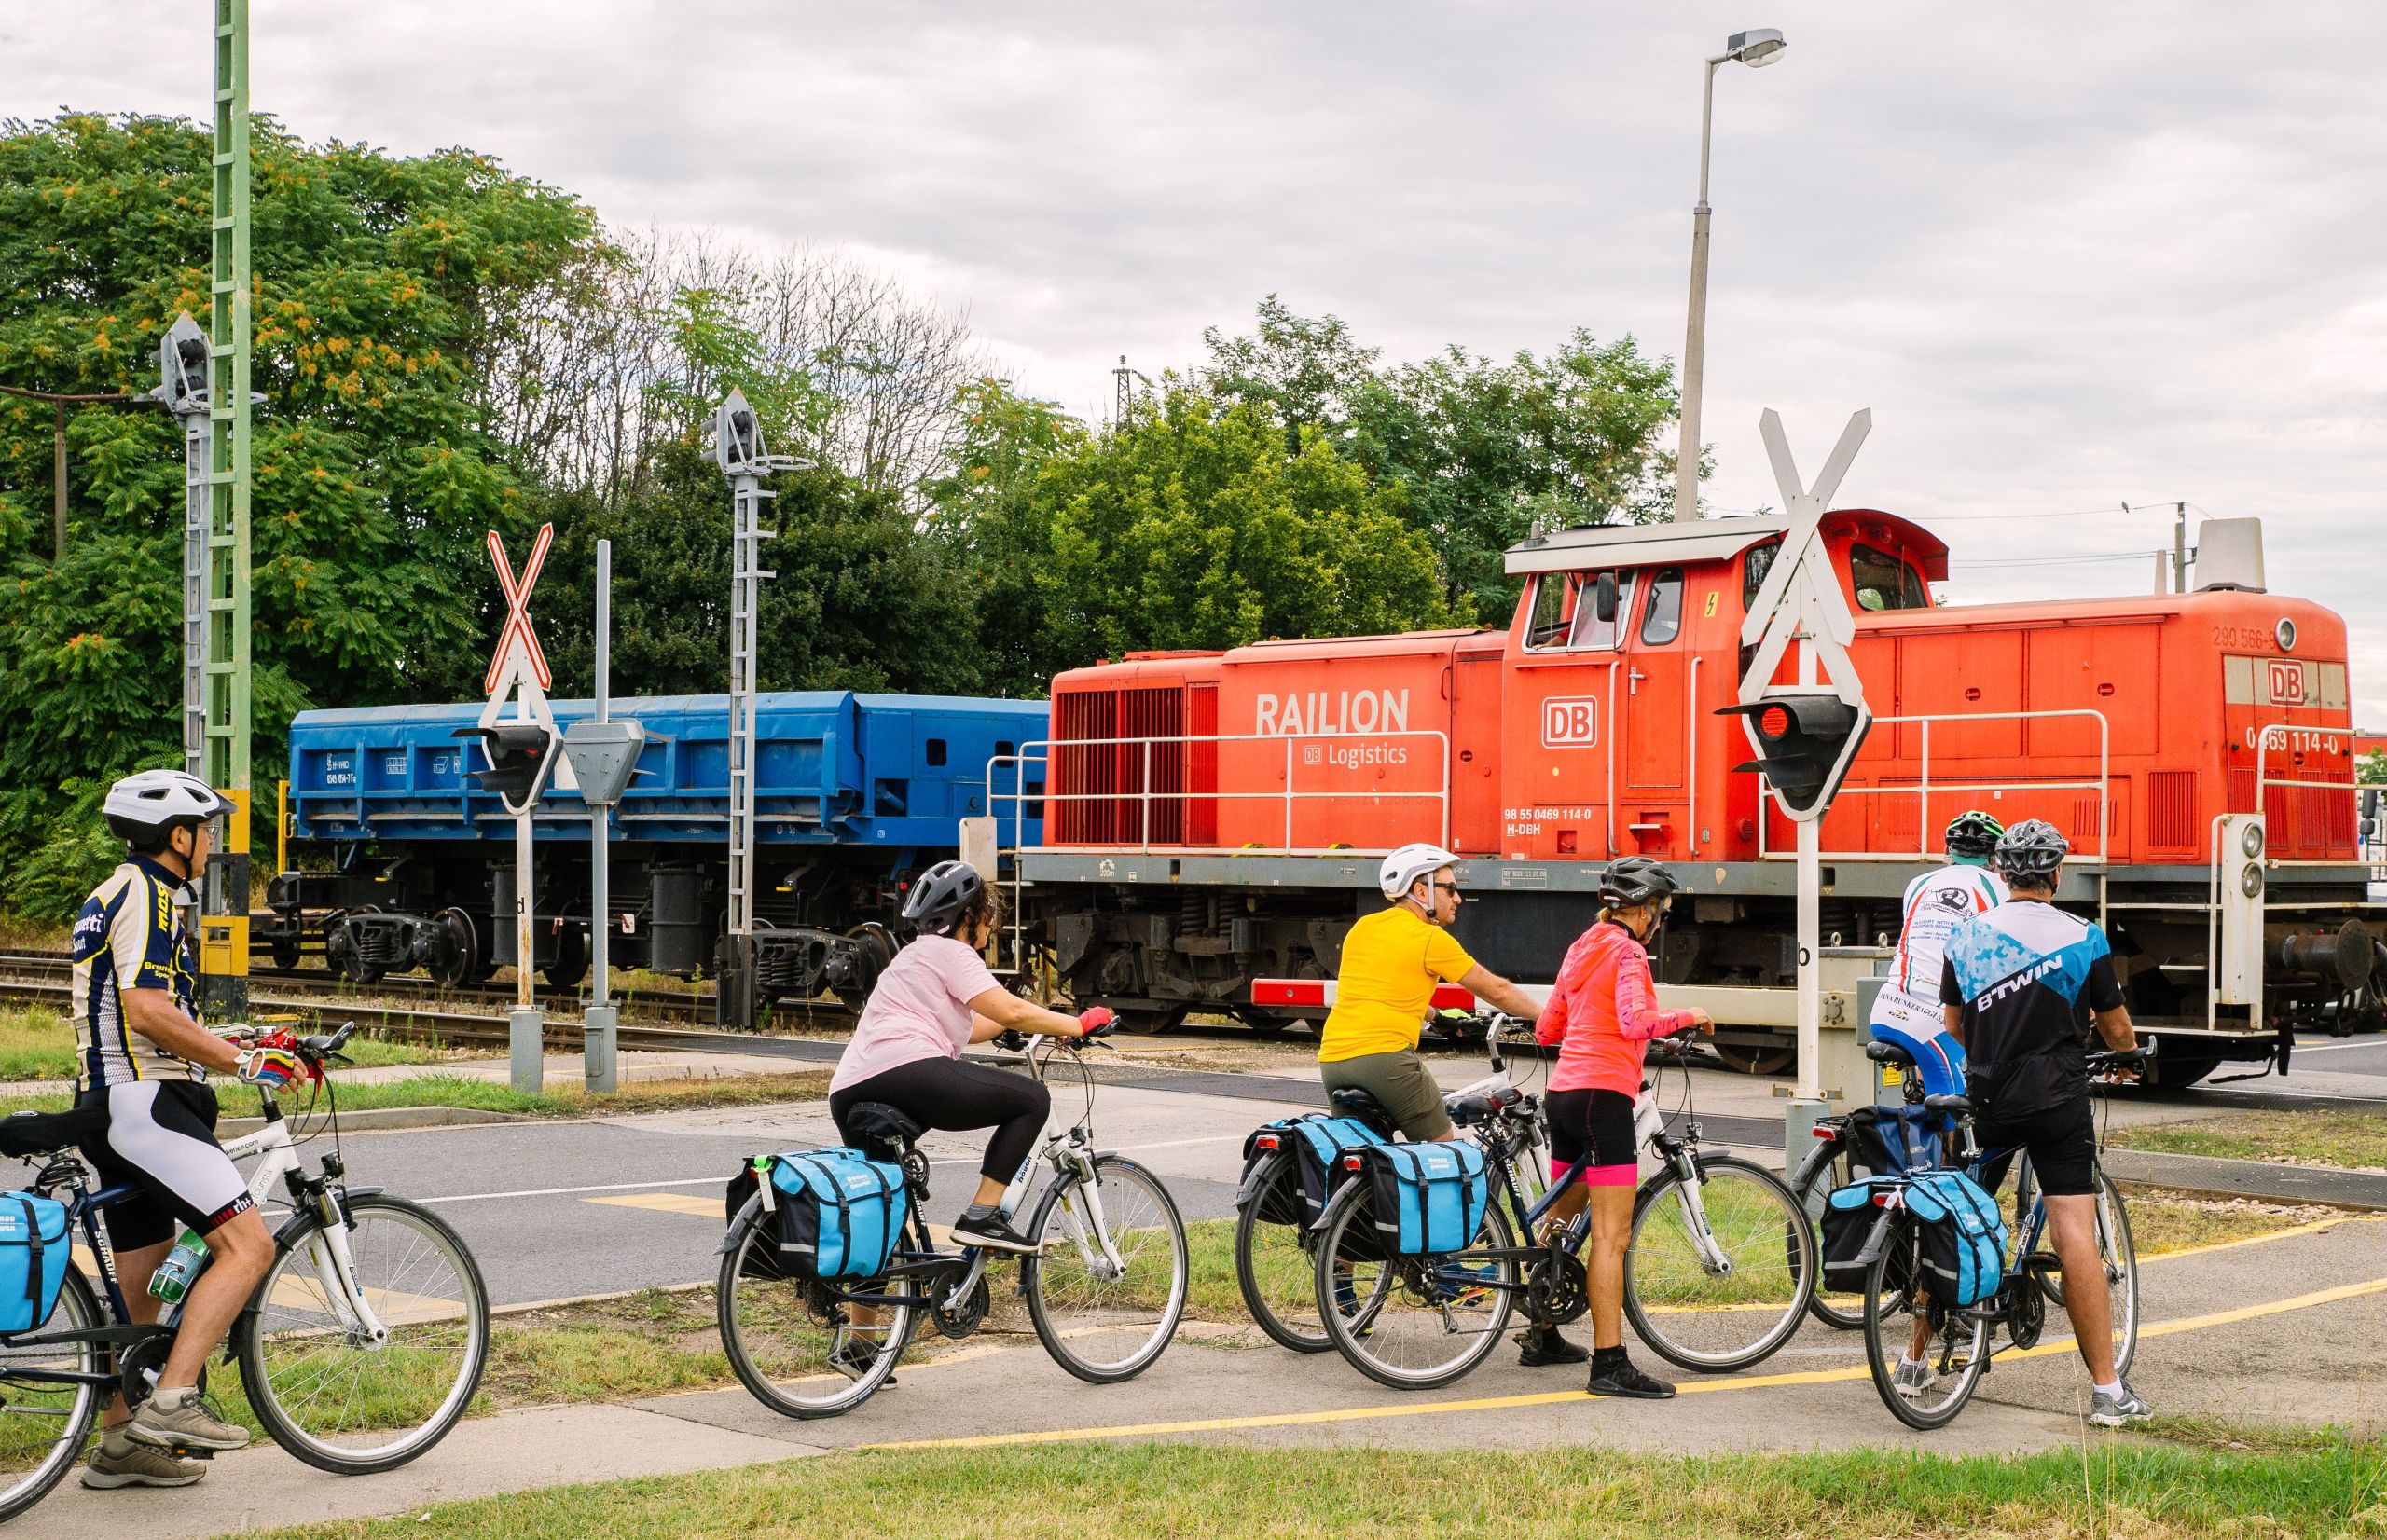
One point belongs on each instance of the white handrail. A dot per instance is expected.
(1040, 751)
(2350, 787)
(1923, 789)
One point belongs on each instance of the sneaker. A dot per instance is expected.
(1460, 1284)
(118, 1462)
(994, 1232)
(2113, 1412)
(1541, 1346)
(1912, 1378)
(855, 1358)
(1625, 1380)
(178, 1419)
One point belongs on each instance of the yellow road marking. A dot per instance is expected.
(1551, 1399)
(664, 1203)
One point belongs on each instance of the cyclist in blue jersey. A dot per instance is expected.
(144, 1056)
(2020, 988)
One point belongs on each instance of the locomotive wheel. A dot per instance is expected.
(340, 948)
(875, 946)
(285, 952)
(1264, 1025)
(1756, 1058)
(1146, 1022)
(464, 963)
(570, 964)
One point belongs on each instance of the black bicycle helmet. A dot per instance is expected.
(1973, 833)
(2031, 850)
(941, 895)
(1635, 879)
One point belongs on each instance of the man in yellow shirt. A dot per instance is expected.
(1391, 962)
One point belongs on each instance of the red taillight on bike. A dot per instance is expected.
(1825, 1133)
(1265, 1141)
(1351, 1163)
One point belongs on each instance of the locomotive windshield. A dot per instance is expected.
(1564, 618)
(1882, 582)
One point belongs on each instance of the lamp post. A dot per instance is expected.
(1756, 49)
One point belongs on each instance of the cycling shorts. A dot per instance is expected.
(1401, 1085)
(2062, 1143)
(1594, 1125)
(160, 1138)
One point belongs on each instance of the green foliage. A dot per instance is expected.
(374, 471)
(2371, 768)
(1482, 452)
(1189, 525)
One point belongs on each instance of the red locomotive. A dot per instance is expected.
(1209, 816)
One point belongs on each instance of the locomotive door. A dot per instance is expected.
(1565, 687)
(1653, 811)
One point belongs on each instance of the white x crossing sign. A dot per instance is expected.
(517, 671)
(1800, 598)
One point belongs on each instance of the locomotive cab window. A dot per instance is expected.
(1661, 622)
(1591, 633)
(1554, 594)
(1882, 582)
(1753, 570)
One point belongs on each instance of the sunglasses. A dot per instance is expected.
(1451, 887)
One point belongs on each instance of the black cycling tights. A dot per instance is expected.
(950, 1094)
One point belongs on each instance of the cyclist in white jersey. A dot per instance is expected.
(144, 1057)
(1908, 1011)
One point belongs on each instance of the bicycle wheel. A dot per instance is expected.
(1840, 1309)
(1105, 1314)
(1955, 1342)
(795, 1346)
(2118, 1253)
(1720, 1309)
(1412, 1322)
(1272, 1266)
(321, 1386)
(42, 1427)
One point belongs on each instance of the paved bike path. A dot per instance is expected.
(2282, 1327)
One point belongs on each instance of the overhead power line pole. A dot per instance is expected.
(223, 922)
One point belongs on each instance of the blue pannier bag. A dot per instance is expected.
(1850, 1218)
(1318, 1142)
(32, 1258)
(840, 1213)
(1964, 1236)
(1428, 1198)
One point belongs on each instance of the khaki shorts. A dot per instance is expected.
(1401, 1083)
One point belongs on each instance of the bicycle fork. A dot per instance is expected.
(1108, 1266)
(335, 1268)
(1688, 1180)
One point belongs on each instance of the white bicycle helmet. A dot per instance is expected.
(1405, 866)
(143, 805)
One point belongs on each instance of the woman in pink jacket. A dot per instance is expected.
(1602, 1014)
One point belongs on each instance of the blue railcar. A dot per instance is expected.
(853, 792)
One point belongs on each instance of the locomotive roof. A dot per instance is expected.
(1708, 540)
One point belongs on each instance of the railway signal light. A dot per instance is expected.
(520, 758)
(1804, 746)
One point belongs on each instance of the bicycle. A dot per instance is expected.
(1274, 1245)
(361, 1348)
(1104, 1290)
(1719, 1269)
(1962, 1346)
(1860, 1143)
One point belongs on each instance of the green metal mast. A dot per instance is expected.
(224, 934)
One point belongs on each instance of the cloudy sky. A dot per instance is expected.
(2073, 256)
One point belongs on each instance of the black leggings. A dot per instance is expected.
(952, 1095)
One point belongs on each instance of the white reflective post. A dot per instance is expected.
(600, 1024)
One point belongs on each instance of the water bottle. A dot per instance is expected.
(171, 1280)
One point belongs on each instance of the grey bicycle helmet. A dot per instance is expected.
(941, 895)
(2031, 850)
(1635, 880)
(1973, 833)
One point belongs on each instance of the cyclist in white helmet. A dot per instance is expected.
(144, 1056)
(1906, 1012)
(1391, 961)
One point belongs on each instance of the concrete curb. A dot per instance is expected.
(371, 1118)
(2266, 1179)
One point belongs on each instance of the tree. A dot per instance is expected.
(1189, 525)
(375, 468)
(1483, 452)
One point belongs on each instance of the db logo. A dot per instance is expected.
(2287, 683)
(1313, 754)
(1571, 723)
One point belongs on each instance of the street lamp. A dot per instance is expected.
(1757, 49)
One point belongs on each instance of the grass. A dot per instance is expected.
(36, 1044)
(2174, 1221)
(2353, 1139)
(459, 1090)
(2146, 1491)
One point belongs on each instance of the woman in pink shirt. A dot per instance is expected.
(1602, 1014)
(936, 998)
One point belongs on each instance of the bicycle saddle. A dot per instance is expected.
(1467, 1111)
(881, 1132)
(1888, 1053)
(1352, 1102)
(28, 1134)
(1962, 1105)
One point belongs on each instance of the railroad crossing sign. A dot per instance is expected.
(517, 671)
(1805, 736)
